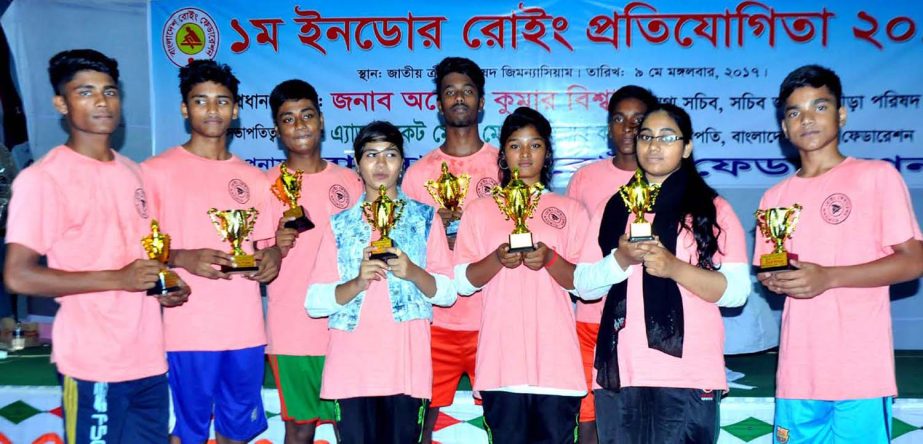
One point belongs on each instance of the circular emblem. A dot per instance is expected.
(554, 217)
(484, 185)
(189, 34)
(239, 191)
(836, 208)
(141, 203)
(338, 195)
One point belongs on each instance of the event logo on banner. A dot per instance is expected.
(190, 34)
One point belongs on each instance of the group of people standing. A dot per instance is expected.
(377, 346)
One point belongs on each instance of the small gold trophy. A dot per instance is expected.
(518, 201)
(639, 196)
(287, 188)
(777, 225)
(382, 214)
(449, 192)
(157, 246)
(235, 226)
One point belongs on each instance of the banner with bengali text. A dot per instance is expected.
(720, 60)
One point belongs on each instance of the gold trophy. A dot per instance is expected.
(449, 192)
(157, 246)
(287, 188)
(777, 225)
(639, 197)
(382, 214)
(235, 226)
(518, 201)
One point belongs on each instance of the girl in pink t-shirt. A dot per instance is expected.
(528, 358)
(378, 365)
(659, 351)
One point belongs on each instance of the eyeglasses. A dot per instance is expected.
(667, 139)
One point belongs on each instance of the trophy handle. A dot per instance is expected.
(497, 193)
(219, 222)
(399, 210)
(536, 195)
(252, 215)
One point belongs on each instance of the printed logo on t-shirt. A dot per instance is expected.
(554, 217)
(484, 185)
(836, 208)
(339, 196)
(781, 435)
(239, 191)
(141, 203)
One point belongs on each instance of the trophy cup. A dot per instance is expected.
(518, 201)
(382, 214)
(449, 192)
(639, 197)
(287, 188)
(235, 226)
(157, 246)
(777, 225)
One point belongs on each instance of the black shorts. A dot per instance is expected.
(657, 415)
(517, 418)
(396, 419)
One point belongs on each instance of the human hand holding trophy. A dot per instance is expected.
(777, 225)
(449, 191)
(235, 227)
(157, 247)
(382, 214)
(518, 201)
(287, 188)
(639, 197)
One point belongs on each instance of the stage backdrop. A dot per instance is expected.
(721, 60)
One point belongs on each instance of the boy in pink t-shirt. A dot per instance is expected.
(297, 343)
(856, 235)
(84, 207)
(593, 185)
(215, 342)
(454, 333)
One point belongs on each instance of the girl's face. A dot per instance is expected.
(526, 149)
(380, 163)
(661, 146)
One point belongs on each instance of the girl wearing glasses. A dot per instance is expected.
(659, 359)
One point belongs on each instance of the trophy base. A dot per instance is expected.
(301, 222)
(640, 231)
(242, 264)
(167, 282)
(773, 262)
(521, 243)
(379, 253)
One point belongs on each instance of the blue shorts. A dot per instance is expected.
(226, 383)
(817, 422)
(136, 411)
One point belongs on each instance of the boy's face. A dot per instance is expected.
(90, 102)
(625, 122)
(458, 101)
(812, 118)
(299, 125)
(210, 109)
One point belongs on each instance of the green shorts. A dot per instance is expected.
(298, 380)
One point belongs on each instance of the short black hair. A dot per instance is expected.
(201, 71)
(378, 131)
(814, 76)
(521, 118)
(459, 65)
(643, 95)
(63, 66)
(293, 89)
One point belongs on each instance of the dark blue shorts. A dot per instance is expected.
(226, 383)
(136, 411)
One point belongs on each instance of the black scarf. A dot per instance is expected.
(663, 305)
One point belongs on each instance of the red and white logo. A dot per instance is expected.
(484, 185)
(554, 217)
(239, 191)
(339, 196)
(189, 34)
(836, 208)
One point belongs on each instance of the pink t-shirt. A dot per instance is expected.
(220, 314)
(289, 329)
(592, 186)
(465, 314)
(380, 357)
(88, 215)
(702, 363)
(838, 345)
(528, 334)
